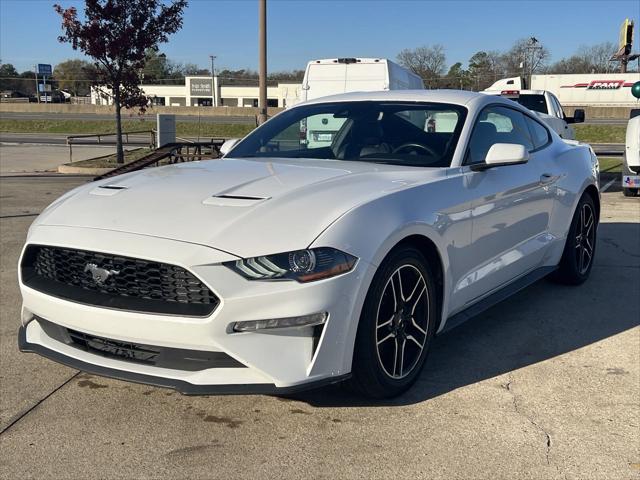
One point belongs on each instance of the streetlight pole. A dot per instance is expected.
(213, 82)
(262, 37)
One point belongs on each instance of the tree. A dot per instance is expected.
(8, 70)
(75, 76)
(526, 57)
(117, 34)
(485, 68)
(428, 62)
(573, 64)
(597, 56)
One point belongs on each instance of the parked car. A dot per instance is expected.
(631, 164)
(282, 267)
(546, 106)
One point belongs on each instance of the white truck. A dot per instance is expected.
(542, 102)
(631, 163)
(340, 75)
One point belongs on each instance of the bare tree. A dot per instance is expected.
(428, 61)
(573, 64)
(597, 56)
(526, 56)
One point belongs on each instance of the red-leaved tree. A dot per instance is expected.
(116, 34)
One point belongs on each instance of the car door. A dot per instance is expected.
(512, 204)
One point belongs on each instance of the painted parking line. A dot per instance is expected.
(608, 184)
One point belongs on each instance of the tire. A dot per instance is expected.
(580, 248)
(396, 326)
(630, 192)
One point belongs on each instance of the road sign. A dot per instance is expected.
(44, 69)
(44, 87)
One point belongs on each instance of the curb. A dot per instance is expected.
(69, 169)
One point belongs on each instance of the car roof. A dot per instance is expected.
(460, 97)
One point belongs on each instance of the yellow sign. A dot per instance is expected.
(626, 37)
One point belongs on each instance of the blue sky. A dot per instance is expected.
(299, 30)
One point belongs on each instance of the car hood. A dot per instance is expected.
(242, 206)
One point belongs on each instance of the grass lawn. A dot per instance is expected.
(600, 133)
(109, 161)
(610, 164)
(183, 129)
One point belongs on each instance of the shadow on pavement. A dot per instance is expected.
(541, 322)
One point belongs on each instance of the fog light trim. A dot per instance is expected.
(302, 321)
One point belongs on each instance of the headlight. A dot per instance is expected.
(301, 265)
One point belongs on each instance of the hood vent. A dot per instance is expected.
(228, 200)
(107, 190)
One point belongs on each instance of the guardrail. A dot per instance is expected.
(83, 140)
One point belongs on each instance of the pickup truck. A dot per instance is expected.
(546, 106)
(631, 163)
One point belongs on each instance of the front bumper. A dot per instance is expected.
(181, 386)
(274, 361)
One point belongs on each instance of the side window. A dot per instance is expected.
(497, 125)
(539, 134)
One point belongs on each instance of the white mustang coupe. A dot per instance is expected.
(307, 256)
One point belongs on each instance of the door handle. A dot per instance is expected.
(546, 178)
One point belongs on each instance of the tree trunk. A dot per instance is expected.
(119, 149)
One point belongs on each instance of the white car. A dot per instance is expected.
(282, 267)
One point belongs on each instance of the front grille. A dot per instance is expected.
(162, 357)
(115, 281)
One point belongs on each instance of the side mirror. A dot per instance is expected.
(503, 154)
(578, 116)
(228, 145)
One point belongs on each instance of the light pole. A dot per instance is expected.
(262, 40)
(213, 82)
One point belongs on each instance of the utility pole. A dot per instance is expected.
(35, 70)
(213, 82)
(262, 41)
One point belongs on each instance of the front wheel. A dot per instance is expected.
(580, 248)
(396, 326)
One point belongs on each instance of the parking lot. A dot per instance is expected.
(544, 385)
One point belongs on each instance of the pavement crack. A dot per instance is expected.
(614, 244)
(29, 410)
(548, 442)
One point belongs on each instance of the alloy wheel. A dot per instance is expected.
(585, 238)
(402, 321)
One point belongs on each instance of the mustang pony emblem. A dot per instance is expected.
(99, 275)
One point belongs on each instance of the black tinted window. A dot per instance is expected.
(537, 103)
(539, 134)
(497, 125)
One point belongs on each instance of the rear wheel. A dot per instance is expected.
(396, 326)
(580, 248)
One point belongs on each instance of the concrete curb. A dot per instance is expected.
(72, 169)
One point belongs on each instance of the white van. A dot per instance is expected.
(340, 75)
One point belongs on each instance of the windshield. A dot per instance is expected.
(537, 103)
(412, 134)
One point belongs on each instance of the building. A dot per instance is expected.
(198, 91)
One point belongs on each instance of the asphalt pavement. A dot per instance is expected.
(542, 386)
